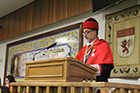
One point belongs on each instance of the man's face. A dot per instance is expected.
(89, 35)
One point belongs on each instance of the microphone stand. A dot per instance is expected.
(37, 53)
(43, 50)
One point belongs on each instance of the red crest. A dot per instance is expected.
(125, 42)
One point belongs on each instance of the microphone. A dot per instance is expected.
(51, 46)
(44, 49)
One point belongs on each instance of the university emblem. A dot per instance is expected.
(125, 42)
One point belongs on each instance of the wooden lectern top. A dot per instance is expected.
(60, 69)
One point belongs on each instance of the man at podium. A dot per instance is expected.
(96, 52)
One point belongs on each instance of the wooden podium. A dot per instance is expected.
(58, 70)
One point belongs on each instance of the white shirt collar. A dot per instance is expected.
(91, 42)
(7, 85)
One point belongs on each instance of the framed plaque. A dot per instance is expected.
(68, 41)
(122, 34)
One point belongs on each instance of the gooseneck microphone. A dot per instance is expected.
(51, 46)
(44, 49)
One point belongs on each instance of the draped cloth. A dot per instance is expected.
(100, 57)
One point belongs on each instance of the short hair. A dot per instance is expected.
(96, 30)
(10, 78)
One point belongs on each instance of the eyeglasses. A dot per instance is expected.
(87, 32)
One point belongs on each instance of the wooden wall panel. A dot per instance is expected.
(37, 14)
(73, 7)
(85, 5)
(16, 22)
(45, 12)
(61, 10)
(6, 26)
(41, 13)
(2, 29)
(23, 20)
(29, 23)
(11, 25)
(52, 11)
